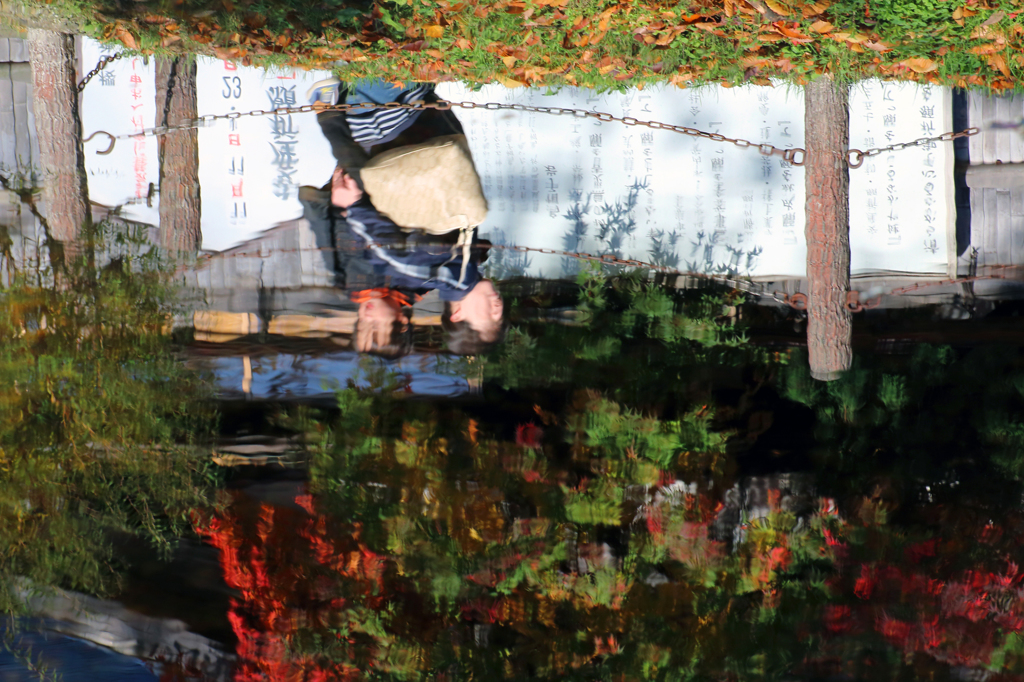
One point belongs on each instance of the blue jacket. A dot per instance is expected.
(414, 262)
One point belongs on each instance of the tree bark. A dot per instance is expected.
(180, 201)
(59, 129)
(829, 320)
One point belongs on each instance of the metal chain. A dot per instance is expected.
(169, 91)
(856, 157)
(100, 65)
(795, 156)
(796, 300)
(605, 259)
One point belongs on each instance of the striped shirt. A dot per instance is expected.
(381, 125)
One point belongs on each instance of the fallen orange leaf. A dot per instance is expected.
(821, 27)
(226, 53)
(982, 31)
(667, 38)
(792, 33)
(987, 48)
(433, 31)
(126, 37)
(920, 64)
(817, 8)
(996, 61)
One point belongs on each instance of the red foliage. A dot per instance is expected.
(958, 621)
(281, 592)
(529, 436)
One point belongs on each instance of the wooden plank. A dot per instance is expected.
(977, 237)
(1016, 202)
(1016, 139)
(988, 143)
(24, 132)
(1004, 231)
(1016, 225)
(974, 100)
(33, 138)
(988, 199)
(8, 139)
(979, 232)
(1002, 137)
(19, 50)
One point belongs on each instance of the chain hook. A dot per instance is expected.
(797, 301)
(855, 158)
(790, 156)
(853, 301)
(109, 148)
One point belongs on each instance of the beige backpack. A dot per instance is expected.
(432, 186)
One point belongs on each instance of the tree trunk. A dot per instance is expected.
(180, 203)
(59, 129)
(829, 320)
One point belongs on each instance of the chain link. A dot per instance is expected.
(100, 65)
(856, 157)
(746, 286)
(794, 156)
(797, 301)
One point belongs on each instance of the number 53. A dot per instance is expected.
(232, 87)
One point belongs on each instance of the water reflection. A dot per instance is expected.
(438, 540)
(641, 480)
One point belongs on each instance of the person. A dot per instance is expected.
(382, 323)
(474, 310)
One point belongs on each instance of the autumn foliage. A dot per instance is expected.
(517, 562)
(600, 43)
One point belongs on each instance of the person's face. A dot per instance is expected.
(377, 318)
(482, 308)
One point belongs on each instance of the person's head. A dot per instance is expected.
(476, 322)
(382, 328)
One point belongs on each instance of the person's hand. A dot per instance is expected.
(344, 189)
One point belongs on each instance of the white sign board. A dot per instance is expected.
(902, 206)
(701, 205)
(251, 168)
(570, 183)
(121, 99)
